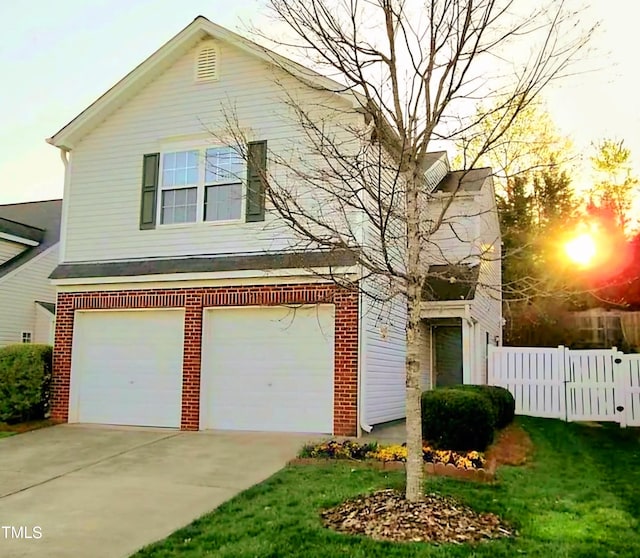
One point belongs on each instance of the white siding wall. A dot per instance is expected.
(487, 305)
(457, 238)
(383, 325)
(104, 201)
(19, 291)
(9, 249)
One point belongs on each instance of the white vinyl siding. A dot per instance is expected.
(268, 368)
(126, 367)
(18, 292)
(384, 326)
(9, 249)
(104, 202)
(487, 304)
(457, 240)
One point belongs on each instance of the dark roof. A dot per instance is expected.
(40, 219)
(49, 306)
(21, 230)
(470, 181)
(125, 268)
(450, 282)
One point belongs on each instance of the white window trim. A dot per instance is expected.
(201, 147)
(22, 336)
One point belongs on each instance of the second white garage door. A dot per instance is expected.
(268, 368)
(126, 367)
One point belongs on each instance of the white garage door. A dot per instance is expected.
(127, 367)
(268, 368)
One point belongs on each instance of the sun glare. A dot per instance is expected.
(581, 249)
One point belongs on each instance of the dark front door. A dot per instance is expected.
(448, 345)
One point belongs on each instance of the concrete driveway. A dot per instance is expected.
(104, 492)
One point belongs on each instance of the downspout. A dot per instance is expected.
(64, 156)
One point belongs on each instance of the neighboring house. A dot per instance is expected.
(603, 328)
(29, 238)
(180, 300)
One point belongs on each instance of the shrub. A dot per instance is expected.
(25, 378)
(501, 400)
(457, 419)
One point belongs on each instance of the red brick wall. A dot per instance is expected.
(194, 300)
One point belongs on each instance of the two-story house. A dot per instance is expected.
(182, 301)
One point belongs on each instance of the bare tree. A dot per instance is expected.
(364, 179)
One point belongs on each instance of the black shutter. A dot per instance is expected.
(150, 168)
(256, 168)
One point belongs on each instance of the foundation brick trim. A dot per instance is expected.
(194, 300)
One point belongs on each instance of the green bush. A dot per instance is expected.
(25, 378)
(502, 401)
(457, 419)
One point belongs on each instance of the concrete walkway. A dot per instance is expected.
(104, 492)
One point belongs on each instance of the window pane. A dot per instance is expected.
(169, 197)
(223, 203)
(180, 197)
(180, 214)
(192, 196)
(179, 206)
(192, 175)
(223, 164)
(167, 177)
(169, 161)
(180, 168)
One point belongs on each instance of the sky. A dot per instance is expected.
(57, 57)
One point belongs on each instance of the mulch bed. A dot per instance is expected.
(387, 515)
(512, 446)
(21, 427)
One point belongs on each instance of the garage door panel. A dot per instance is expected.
(269, 369)
(127, 367)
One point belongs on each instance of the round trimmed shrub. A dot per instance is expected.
(25, 377)
(457, 419)
(501, 400)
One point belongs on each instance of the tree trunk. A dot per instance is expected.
(415, 471)
(414, 392)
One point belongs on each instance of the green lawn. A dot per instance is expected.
(5, 434)
(579, 497)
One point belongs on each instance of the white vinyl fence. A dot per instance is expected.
(598, 385)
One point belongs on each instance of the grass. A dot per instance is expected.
(5, 434)
(579, 497)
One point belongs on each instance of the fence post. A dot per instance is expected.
(564, 371)
(622, 386)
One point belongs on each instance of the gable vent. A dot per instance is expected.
(207, 63)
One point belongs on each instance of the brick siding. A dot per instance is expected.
(193, 300)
